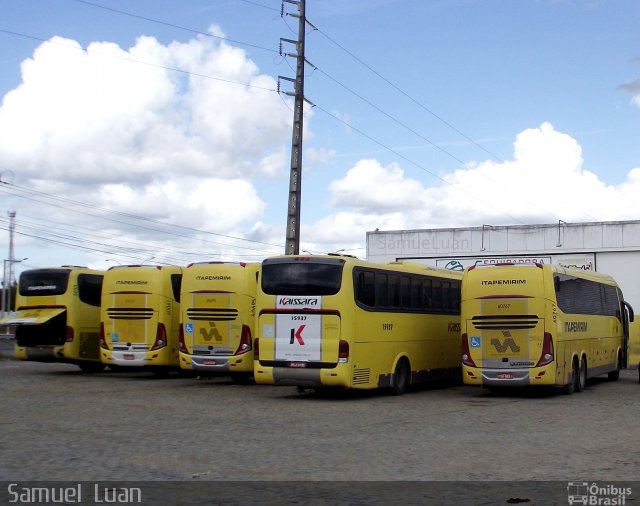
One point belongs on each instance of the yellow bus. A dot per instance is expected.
(58, 316)
(541, 325)
(218, 303)
(336, 321)
(141, 317)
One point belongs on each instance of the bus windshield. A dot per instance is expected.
(44, 282)
(285, 277)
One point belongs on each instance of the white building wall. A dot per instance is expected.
(624, 266)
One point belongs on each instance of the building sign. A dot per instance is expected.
(585, 262)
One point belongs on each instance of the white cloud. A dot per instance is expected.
(545, 181)
(369, 186)
(119, 129)
(209, 204)
(100, 115)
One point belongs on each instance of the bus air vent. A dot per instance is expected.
(212, 314)
(361, 376)
(130, 313)
(501, 322)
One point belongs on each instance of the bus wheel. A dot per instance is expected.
(241, 378)
(160, 372)
(581, 379)
(570, 387)
(615, 375)
(401, 377)
(89, 367)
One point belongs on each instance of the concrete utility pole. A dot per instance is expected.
(295, 179)
(7, 278)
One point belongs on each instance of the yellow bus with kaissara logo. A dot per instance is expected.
(140, 317)
(541, 325)
(218, 303)
(58, 316)
(337, 321)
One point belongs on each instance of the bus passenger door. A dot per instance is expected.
(627, 317)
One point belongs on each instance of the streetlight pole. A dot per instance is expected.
(7, 284)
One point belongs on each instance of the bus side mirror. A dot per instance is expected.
(629, 309)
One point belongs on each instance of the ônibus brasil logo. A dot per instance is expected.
(583, 492)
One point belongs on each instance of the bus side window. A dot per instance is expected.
(455, 296)
(176, 282)
(366, 289)
(437, 295)
(405, 292)
(446, 296)
(90, 288)
(417, 293)
(394, 291)
(382, 285)
(428, 295)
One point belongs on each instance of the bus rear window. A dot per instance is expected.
(301, 278)
(43, 282)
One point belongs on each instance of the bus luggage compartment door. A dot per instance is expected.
(302, 339)
(506, 339)
(40, 327)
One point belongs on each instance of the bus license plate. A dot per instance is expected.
(209, 362)
(297, 364)
(505, 376)
(128, 356)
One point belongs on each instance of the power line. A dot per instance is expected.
(414, 163)
(172, 25)
(132, 60)
(21, 191)
(415, 101)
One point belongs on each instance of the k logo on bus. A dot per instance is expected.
(213, 332)
(508, 343)
(297, 334)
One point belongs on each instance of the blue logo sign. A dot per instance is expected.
(475, 341)
(115, 337)
(188, 328)
(454, 265)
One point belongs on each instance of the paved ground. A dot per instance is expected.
(57, 423)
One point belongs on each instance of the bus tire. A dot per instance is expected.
(401, 377)
(90, 367)
(615, 375)
(570, 387)
(241, 378)
(160, 372)
(581, 378)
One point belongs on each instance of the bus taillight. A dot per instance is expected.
(466, 354)
(343, 351)
(256, 350)
(103, 339)
(547, 351)
(68, 337)
(183, 344)
(161, 338)
(245, 341)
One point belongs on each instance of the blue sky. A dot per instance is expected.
(426, 114)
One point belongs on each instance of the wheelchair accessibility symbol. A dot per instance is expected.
(475, 341)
